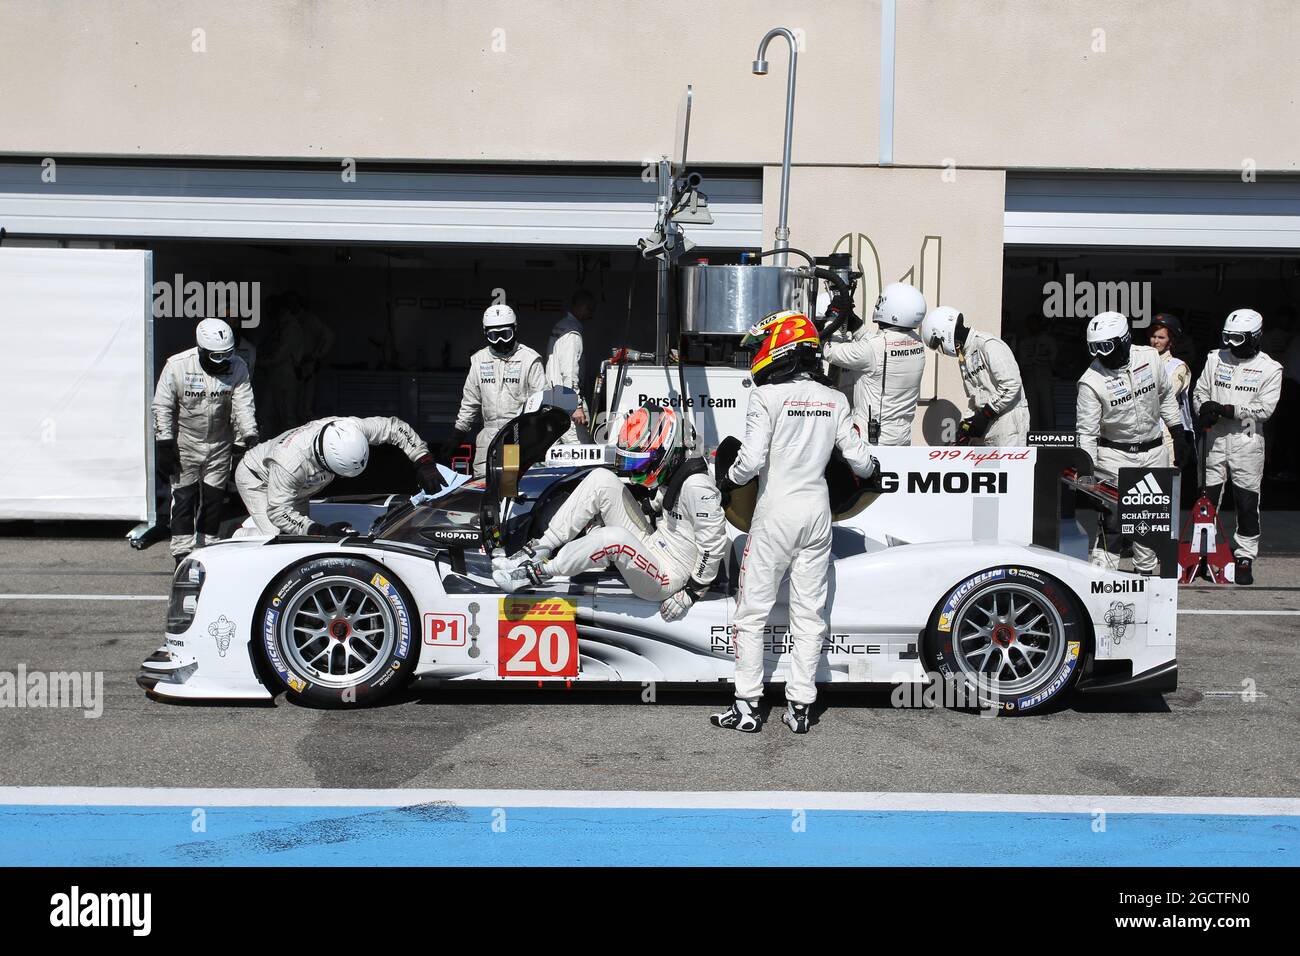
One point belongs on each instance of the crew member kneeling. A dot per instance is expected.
(278, 478)
(794, 422)
(673, 563)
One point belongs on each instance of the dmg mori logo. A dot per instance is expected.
(1147, 492)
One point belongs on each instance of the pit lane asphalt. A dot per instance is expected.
(1203, 740)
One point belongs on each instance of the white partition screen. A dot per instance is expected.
(76, 374)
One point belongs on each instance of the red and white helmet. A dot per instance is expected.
(651, 444)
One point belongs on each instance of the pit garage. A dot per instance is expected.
(378, 275)
(1194, 246)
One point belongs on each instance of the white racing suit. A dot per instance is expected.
(1235, 449)
(1180, 380)
(889, 364)
(791, 428)
(991, 378)
(278, 478)
(495, 391)
(1119, 417)
(564, 364)
(206, 414)
(687, 546)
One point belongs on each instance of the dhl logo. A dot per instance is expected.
(550, 609)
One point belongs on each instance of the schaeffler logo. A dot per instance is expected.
(1147, 492)
(208, 300)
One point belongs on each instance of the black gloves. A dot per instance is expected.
(977, 426)
(842, 305)
(1179, 436)
(723, 459)
(335, 532)
(428, 475)
(1211, 412)
(167, 456)
(725, 484)
(452, 445)
(873, 482)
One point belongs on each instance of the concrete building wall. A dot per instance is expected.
(1181, 84)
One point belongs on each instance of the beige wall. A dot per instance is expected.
(942, 233)
(1182, 84)
(594, 82)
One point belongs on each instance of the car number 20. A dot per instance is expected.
(535, 644)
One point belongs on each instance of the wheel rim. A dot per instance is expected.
(339, 631)
(1008, 638)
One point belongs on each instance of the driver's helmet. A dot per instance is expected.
(651, 444)
(780, 343)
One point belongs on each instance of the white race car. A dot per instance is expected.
(950, 575)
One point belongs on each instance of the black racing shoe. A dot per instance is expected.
(1245, 573)
(798, 717)
(742, 715)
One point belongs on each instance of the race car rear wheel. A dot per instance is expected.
(336, 632)
(1013, 639)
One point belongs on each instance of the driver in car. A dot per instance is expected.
(671, 562)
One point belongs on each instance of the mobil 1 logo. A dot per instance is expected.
(1148, 503)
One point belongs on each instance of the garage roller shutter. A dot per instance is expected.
(1221, 212)
(609, 208)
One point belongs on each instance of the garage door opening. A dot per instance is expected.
(1049, 294)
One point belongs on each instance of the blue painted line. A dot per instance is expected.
(453, 835)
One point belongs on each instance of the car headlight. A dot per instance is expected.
(184, 601)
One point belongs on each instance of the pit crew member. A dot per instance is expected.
(794, 422)
(564, 357)
(1123, 397)
(990, 376)
(204, 418)
(501, 377)
(888, 363)
(1237, 392)
(279, 477)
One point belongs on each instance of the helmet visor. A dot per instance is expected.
(1104, 347)
(1234, 340)
(222, 356)
(499, 335)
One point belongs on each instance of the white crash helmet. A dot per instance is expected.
(343, 447)
(214, 335)
(901, 305)
(1106, 326)
(939, 329)
(1246, 321)
(498, 316)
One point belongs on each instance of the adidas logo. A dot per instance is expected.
(1147, 492)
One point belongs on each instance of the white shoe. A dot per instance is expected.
(532, 551)
(526, 574)
(742, 715)
(798, 717)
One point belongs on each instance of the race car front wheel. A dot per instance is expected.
(1008, 638)
(336, 632)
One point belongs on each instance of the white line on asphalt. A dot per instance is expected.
(1254, 613)
(83, 597)
(646, 799)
